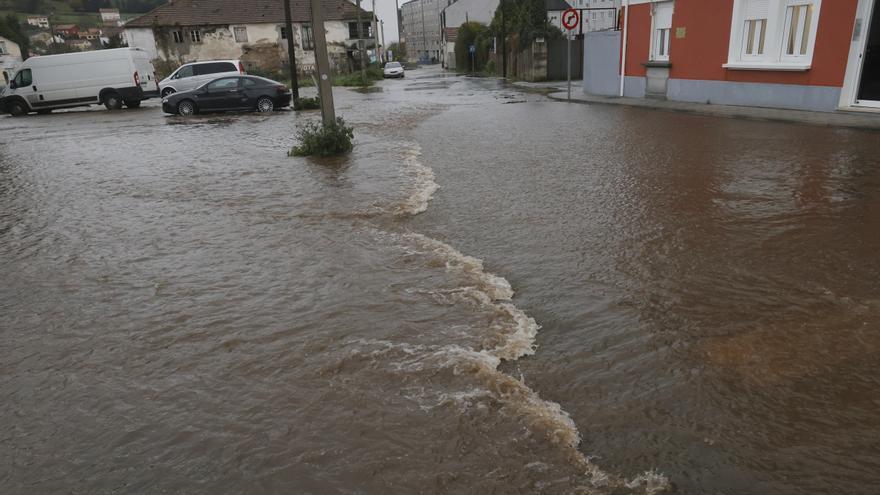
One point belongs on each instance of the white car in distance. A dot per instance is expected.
(393, 69)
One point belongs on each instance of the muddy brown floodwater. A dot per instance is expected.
(494, 293)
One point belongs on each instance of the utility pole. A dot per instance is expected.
(51, 27)
(325, 85)
(399, 15)
(291, 56)
(360, 33)
(376, 45)
(503, 42)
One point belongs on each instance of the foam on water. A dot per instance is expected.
(424, 184)
(512, 335)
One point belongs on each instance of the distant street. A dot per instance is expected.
(493, 293)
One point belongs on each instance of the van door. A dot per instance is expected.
(25, 87)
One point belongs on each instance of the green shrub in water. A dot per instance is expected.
(307, 103)
(316, 139)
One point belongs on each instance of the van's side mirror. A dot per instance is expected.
(12, 85)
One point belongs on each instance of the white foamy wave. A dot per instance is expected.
(497, 288)
(513, 335)
(424, 185)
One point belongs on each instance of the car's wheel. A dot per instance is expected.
(112, 101)
(168, 92)
(186, 108)
(16, 108)
(133, 103)
(265, 105)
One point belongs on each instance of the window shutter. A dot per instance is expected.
(663, 15)
(757, 9)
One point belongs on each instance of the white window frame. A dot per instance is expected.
(774, 57)
(758, 39)
(195, 36)
(657, 35)
(235, 34)
(799, 41)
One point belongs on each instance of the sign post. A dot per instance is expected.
(570, 20)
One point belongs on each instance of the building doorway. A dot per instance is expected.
(869, 81)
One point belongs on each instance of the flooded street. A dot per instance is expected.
(494, 293)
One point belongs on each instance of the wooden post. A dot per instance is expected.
(325, 83)
(291, 56)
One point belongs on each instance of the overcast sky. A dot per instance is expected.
(386, 10)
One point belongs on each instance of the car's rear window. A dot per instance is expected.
(214, 68)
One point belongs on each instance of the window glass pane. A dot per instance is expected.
(240, 34)
(221, 84)
(750, 37)
(792, 19)
(24, 78)
(805, 34)
(186, 71)
(762, 31)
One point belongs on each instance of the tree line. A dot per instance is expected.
(520, 22)
(46, 6)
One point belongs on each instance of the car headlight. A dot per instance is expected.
(164, 100)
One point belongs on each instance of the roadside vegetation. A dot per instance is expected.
(307, 103)
(316, 139)
(373, 73)
(525, 21)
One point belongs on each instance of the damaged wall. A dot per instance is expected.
(263, 49)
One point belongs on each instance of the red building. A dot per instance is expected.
(806, 54)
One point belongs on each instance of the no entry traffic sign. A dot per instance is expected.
(570, 19)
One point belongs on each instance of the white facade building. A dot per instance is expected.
(421, 23)
(39, 21)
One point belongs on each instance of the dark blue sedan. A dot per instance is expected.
(229, 94)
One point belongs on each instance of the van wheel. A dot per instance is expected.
(186, 108)
(168, 92)
(112, 101)
(265, 105)
(16, 108)
(133, 104)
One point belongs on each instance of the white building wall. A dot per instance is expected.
(10, 59)
(142, 38)
(421, 23)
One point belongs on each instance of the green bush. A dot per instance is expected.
(316, 139)
(307, 103)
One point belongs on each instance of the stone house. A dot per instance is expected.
(250, 30)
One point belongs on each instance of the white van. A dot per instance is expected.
(190, 76)
(112, 77)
